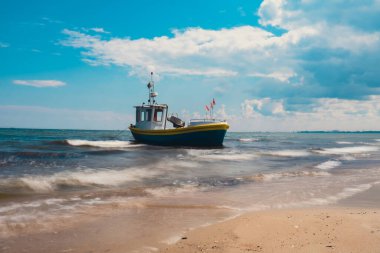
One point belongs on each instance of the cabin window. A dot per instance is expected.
(144, 115)
(158, 115)
(138, 115)
(148, 115)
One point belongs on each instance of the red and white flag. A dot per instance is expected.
(208, 109)
(212, 105)
(213, 101)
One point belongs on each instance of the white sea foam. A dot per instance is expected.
(170, 191)
(103, 144)
(347, 150)
(88, 177)
(41, 214)
(220, 155)
(279, 175)
(347, 158)
(231, 157)
(288, 153)
(345, 193)
(12, 207)
(378, 140)
(248, 139)
(328, 165)
(344, 142)
(331, 199)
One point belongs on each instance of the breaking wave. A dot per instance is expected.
(102, 144)
(328, 165)
(84, 178)
(248, 139)
(230, 157)
(347, 150)
(344, 142)
(288, 153)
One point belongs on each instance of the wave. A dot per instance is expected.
(248, 139)
(170, 190)
(345, 193)
(85, 178)
(288, 153)
(347, 157)
(261, 177)
(344, 142)
(103, 144)
(12, 156)
(347, 150)
(328, 165)
(231, 157)
(220, 155)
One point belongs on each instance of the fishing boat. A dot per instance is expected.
(153, 126)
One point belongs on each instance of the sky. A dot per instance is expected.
(271, 65)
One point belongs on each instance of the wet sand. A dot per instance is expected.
(352, 225)
(137, 228)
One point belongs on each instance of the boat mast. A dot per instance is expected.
(152, 94)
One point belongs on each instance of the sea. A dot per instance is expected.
(58, 180)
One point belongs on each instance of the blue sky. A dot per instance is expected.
(271, 65)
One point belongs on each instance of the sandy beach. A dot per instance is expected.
(352, 225)
(298, 230)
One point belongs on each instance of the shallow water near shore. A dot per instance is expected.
(57, 183)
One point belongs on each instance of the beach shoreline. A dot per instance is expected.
(350, 225)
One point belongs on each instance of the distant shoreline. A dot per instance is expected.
(339, 132)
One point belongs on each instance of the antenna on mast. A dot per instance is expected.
(152, 93)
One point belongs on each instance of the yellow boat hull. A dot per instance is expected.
(205, 135)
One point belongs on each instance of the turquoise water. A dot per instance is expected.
(56, 174)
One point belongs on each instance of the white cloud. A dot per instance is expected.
(193, 51)
(40, 83)
(221, 113)
(264, 106)
(271, 12)
(51, 20)
(282, 76)
(98, 30)
(326, 114)
(338, 24)
(236, 51)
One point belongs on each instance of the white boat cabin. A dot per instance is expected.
(151, 117)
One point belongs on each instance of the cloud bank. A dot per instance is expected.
(40, 83)
(323, 58)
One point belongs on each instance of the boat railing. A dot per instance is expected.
(207, 120)
(194, 122)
